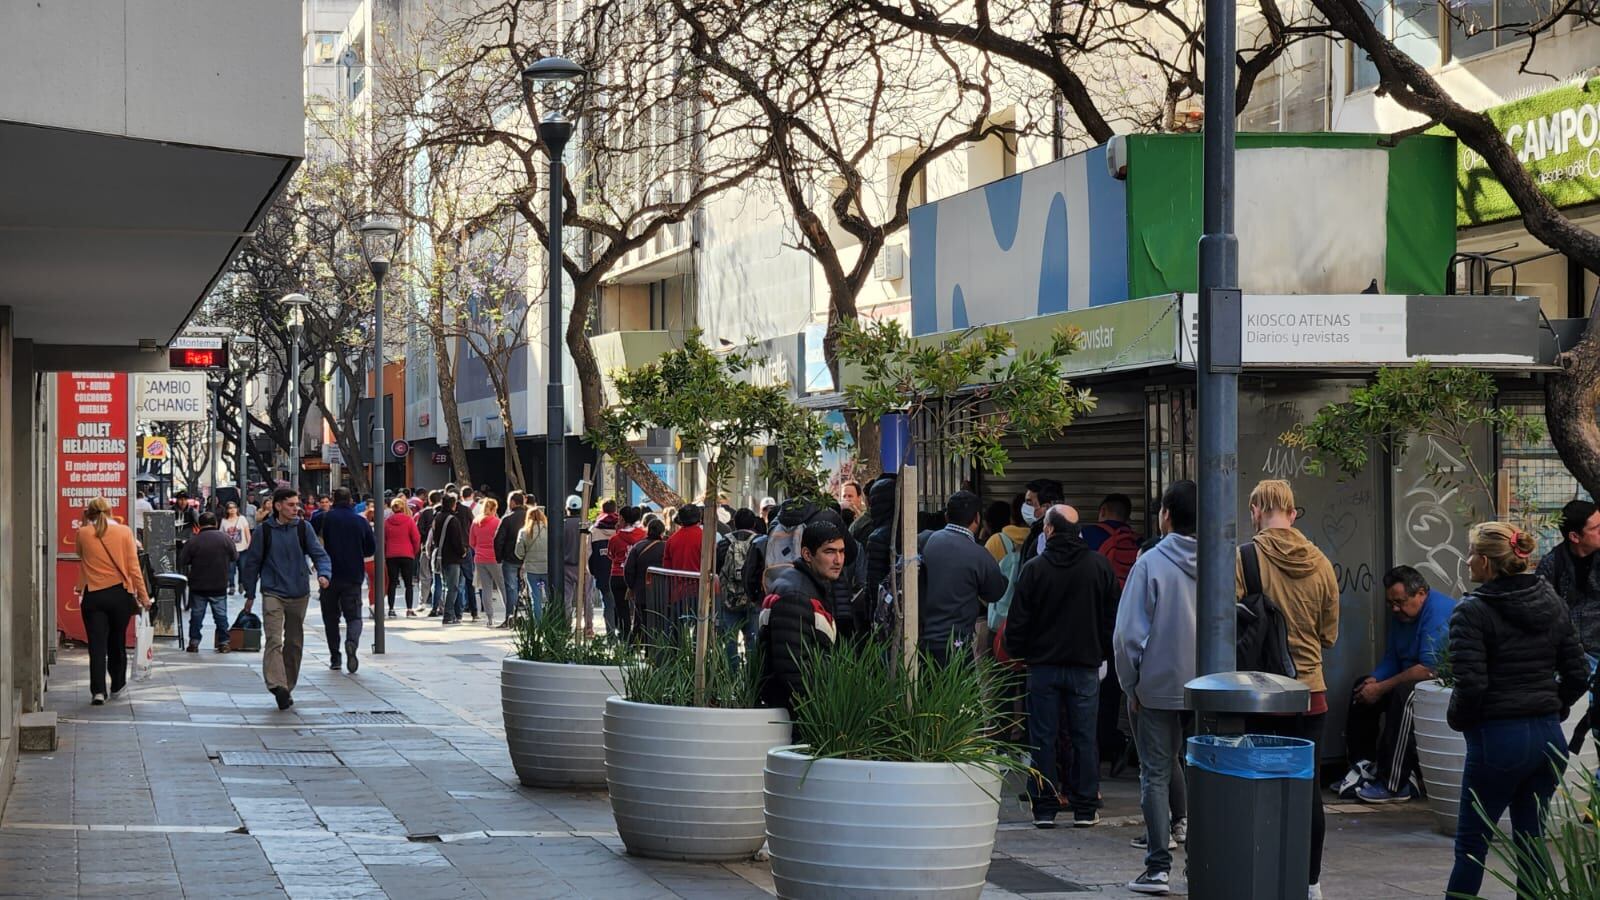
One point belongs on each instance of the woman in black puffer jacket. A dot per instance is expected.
(1518, 667)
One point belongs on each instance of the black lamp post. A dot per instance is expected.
(379, 239)
(554, 132)
(296, 304)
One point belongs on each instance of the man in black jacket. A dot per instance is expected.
(796, 616)
(505, 550)
(1063, 613)
(206, 559)
(450, 537)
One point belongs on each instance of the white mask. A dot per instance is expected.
(1030, 513)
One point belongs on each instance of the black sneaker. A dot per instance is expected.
(1152, 881)
(282, 695)
(335, 663)
(1085, 819)
(350, 663)
(1044, 820)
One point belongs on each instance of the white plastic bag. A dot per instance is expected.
(144, 656)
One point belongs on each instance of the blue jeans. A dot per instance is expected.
(1158, 734)
(436, 590)
(1078, 689)
(733, 624)
(511, 576)
(197, 614)
(451, 595)
(538, 590)
(467, 598)
(1510, 762)
(233, 575)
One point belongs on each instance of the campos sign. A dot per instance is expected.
(172, 397)
(1556, 136)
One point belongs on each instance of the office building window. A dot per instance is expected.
(1433, 33)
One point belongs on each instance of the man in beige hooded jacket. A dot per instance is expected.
(1300, 580)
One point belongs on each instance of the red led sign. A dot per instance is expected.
(189, 358)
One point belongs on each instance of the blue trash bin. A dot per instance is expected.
(1250, 799)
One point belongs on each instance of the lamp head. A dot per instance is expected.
(556, 78)
(296, 304)
(380, 237)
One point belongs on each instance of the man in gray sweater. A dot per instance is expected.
(1153, 647)
(961, 579)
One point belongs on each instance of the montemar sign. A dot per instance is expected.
(1556, 136)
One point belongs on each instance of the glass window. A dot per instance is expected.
(1516, 16)
(1416, 30)
(1471, 28)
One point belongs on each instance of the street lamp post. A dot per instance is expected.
(296, 304)
(243, 471)
(554, 132)
(379, 237)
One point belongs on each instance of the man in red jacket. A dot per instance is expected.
(683, 555)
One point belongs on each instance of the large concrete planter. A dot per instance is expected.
(686, 782)
(1442, 753)
(859, 829)
(553, 718)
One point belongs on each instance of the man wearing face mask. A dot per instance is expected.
(1042, 494)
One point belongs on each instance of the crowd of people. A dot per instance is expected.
(1099, 620)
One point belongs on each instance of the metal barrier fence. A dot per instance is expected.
(670, 598)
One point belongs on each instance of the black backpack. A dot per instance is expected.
(1262, 636)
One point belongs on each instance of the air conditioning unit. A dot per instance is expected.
(890, 264)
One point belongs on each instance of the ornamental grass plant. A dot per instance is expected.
(858, 702)
(550, 638)
(663, 674)
(1565, 864)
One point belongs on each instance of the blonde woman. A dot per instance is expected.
(533, 545)
(487, 574)
(112, 588)
(1518, 665)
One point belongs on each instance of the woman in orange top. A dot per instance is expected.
(110, 583)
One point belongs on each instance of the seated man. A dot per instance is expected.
(1384, 760)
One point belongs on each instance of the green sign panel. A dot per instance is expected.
(1556, 136)
(1131, 334)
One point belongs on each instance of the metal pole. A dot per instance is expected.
(380, 451)
(1218, 358)
(216, 435)
(554, 132)
(294, 406)
(243, 473)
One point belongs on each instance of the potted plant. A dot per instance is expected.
(553, 691)
(685, 777)
(894, 788)
(1441, 750)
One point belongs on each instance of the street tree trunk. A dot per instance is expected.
(444, 366)
(515, 478)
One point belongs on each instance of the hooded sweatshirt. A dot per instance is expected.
(1514, 652)
(1297, 577)
(1064, 607)
(1154, 640)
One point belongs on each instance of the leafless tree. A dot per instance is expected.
(1573, 394)
(653, 144)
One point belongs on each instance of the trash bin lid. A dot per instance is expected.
(1246, 693)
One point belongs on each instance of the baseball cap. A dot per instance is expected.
(574, 501)
(767, 502)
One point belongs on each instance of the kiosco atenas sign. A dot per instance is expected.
(1556, 136)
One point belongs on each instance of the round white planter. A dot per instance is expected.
(553, 715)
(1442, 752)
(686, 782)
(860, 829)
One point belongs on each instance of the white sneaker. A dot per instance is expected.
(1180, 831)
(1314, 892)
(1151, 882)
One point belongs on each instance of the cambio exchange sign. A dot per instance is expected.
(1556, 136)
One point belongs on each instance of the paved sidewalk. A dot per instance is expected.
(145, 798)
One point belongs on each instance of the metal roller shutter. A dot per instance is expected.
(1092, 458)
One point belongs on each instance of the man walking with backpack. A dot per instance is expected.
(348, 537)
(1282, 565)
(739, 613)
(277, 559)
(1154, 646)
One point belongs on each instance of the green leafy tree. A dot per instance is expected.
(719, 415)
(964, 394)
(1451, 405)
